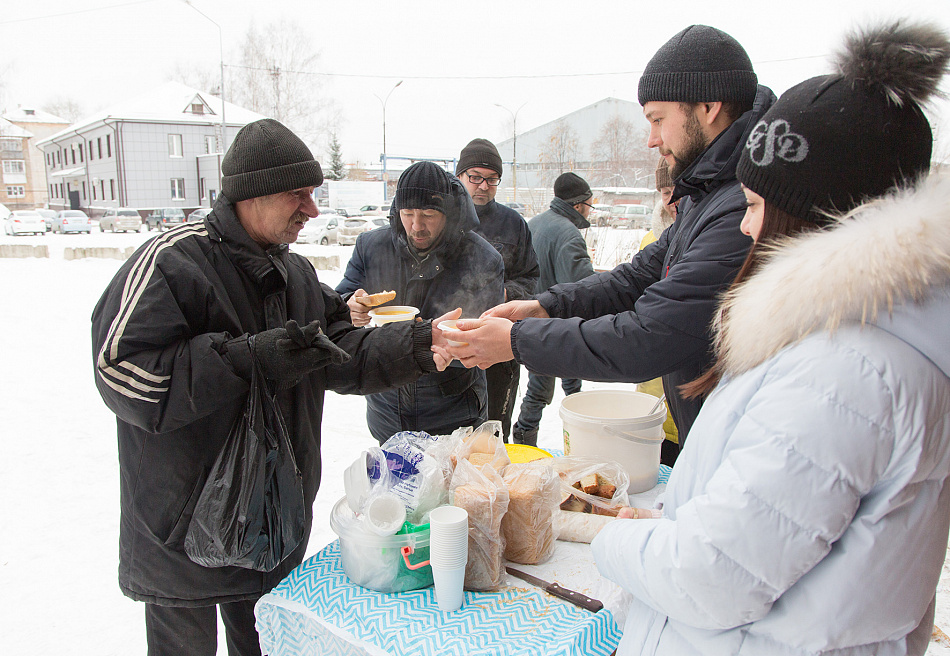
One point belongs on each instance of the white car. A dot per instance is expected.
(353, 227)
(320, 230)
(120, 218)
(24, 222)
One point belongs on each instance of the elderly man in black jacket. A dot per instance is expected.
(651, 317)
(432, 258)
(480, 169)
(173, 351)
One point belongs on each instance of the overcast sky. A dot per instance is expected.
(457, 60)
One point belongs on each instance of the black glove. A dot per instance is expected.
(288, 354)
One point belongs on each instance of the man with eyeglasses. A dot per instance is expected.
(479, 169)
(562, 257)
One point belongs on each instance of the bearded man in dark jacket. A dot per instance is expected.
(651, 317)
(480, 170)
(432, 258)
(175, 337)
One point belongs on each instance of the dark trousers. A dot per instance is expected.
(503, 379)
(175, 631)
(539, 394)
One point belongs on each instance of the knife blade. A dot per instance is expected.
(576, 598)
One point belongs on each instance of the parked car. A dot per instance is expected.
(120, 218)
(199, 214)
(48, 216)
(164, 218)
(520, 208)
(348, 211)
(320, 230)
(353, 227)
(629, 216)
(24, 222)
(599, 214)
(72, 221)
(374, 210)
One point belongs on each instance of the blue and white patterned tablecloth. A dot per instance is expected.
(316, 611)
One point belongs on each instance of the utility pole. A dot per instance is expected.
(514, 147)
(383, 103)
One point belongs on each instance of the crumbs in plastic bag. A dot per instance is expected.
(534, 490)
(482, 492)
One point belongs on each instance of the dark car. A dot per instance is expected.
(520, 208)
(199, 214)
(164, 218)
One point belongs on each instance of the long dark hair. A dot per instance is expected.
(777, 226)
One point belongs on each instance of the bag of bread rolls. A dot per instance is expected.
(484, 445)
(534, 495)
(482, 492)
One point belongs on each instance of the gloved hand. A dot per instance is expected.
(288, 354)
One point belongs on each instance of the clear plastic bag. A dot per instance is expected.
(413, 475)
(575, 469)
(251, 511)
(534, 497)
(482, 492)
(483, 445)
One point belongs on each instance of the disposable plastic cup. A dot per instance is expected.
(452, 324)
(448, 587)
(385, 514)
(448, 537)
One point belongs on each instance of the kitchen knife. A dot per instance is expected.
(575, 598)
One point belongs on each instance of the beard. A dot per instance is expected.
(694, 146)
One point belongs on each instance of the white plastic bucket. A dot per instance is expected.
(613, 425)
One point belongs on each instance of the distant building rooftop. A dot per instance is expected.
(31, 115)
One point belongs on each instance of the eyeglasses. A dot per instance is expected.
(477, 180)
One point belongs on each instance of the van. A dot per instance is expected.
(629, 216)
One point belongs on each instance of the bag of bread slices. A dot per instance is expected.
(484, 445)
(592, 485)
(482, 492)
(534, 496)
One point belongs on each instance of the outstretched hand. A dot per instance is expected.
(486, 341)
(440, 355)
(517, 310)
(359, 313)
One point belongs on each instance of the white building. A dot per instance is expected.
(160, 149)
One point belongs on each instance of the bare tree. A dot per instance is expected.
(621, 154)
(65, 108)
(197, 76)
(276, 78)
(559, 153)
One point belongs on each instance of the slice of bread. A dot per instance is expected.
(372, 300)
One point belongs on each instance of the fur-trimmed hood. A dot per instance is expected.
(885, 264)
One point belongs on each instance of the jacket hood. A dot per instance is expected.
(460, 218)
(719, 161)
(565, 209)
(887, 263)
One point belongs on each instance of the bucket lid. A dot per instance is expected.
(616, 408)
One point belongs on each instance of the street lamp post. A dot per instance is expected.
(383, 103)
(224, 125)
(514, 147)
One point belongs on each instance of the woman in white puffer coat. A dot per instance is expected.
(809, 512)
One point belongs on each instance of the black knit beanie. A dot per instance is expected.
(700, 64)
(425, 185)
(481, 153)
(833, 141)
(572, 188)
(267, 158)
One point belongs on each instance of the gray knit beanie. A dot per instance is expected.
(266, 158)
(700, 64)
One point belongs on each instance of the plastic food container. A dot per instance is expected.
(391, 313)
(375, 561)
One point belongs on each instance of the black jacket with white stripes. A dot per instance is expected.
(159, 336)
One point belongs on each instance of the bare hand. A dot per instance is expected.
(515, 310)
(438, 339)
(487, 342)
(359, 313)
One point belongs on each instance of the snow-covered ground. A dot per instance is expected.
(59, 471)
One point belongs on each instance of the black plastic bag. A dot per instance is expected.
(251, 511)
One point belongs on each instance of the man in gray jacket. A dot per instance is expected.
(563, 257)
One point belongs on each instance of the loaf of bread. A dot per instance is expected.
(483, 494)
(534, 492)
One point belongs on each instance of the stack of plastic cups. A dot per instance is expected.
(448, 554)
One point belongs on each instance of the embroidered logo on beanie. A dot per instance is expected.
(776, 139)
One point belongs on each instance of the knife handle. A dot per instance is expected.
(575, 598)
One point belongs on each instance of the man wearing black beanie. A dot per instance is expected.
(480, 170)
(177, 335)
(651, 317)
